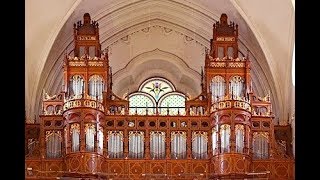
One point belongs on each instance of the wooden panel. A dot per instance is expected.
(279, 169)
(84, 162)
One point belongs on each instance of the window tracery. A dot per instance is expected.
(157, 95)
(218, 86)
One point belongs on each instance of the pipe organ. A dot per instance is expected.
(157, 132)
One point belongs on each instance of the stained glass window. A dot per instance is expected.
(139, 103)
(156, 87)
(175, 103)
(157, 93)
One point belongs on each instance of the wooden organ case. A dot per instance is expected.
(88, 132)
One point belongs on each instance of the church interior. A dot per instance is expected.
(159, 89)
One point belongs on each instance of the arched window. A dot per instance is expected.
(96, 86)
(236, 87)
(76, 86)
(220, 52)
(90, 132)
(214, 140)
(50, 110)
(75, 137)
(178, 145)
(172, 104)
(199, 144)
(260, 145)
(115, 144)
(218, 86)
(53, 144)
(239, 130)
(156, 87)
(157, 144)
(140, 103)
(100, 140)
(225, 138)
(136, 144)
(230, 52)
(157, 95)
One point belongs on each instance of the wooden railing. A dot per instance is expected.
(226, 104)
(75, 103)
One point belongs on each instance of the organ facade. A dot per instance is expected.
(157, 132)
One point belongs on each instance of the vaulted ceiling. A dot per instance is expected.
(166, 38)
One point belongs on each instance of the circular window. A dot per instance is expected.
(58, 123)
(152, 124)
(50, 109)
(141, 123)
(266, 124)
(47, 123)
(194, 124)
(256, 124)
(173, 124)
(163, 124)
(120, 123)
(131, 124)
(58, 109)
(204, 124)
(183, 124)
(110, 123)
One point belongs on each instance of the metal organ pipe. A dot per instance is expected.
(115, 143)
(119, 148)
(137, 140)
(109, 143)
(77, 84)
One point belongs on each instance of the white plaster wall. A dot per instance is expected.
(153, 38)
(43, 20)
(273, 22)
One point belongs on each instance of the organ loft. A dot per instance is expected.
(157, 132)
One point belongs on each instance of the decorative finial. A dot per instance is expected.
(111, 83)
(201, 74)
(106, 52)
(86, 18)
(231, 92)
(224, 19)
